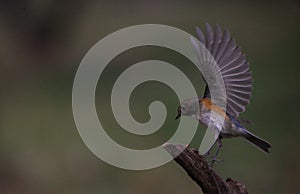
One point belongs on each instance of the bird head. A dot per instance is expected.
(189, 107)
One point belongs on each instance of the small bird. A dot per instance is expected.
(235, 72)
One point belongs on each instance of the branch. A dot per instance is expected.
(199, 170)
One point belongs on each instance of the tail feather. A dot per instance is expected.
(260, 143)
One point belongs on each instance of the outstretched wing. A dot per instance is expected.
(233, 67)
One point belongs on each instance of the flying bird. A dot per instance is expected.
(235, 72)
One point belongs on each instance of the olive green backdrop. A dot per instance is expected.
(41, 46)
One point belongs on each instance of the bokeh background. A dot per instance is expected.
(41, 45)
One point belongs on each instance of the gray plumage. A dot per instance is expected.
(233, 67)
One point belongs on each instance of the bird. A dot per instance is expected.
(237, 77)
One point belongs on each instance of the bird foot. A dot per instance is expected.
(212, 162)
(206, 154)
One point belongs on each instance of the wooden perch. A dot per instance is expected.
(199, 170)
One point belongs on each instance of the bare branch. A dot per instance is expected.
(198, 169)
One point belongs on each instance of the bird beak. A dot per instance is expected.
(179, 115)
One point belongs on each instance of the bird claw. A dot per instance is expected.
(212, 162)
(206, 154)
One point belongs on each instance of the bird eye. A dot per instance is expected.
(179, 109)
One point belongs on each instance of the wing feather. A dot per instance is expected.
(209, 37)
(233, 66)
(223, 45)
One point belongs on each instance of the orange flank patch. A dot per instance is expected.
(209, 106)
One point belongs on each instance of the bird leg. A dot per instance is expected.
(214, 158)
(209, 151)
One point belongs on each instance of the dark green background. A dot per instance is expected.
(41, 46)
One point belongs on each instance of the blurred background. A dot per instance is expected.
(42, 43)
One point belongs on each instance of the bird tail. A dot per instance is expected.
(260, 143)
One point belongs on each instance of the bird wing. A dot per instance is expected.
(233, 67)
